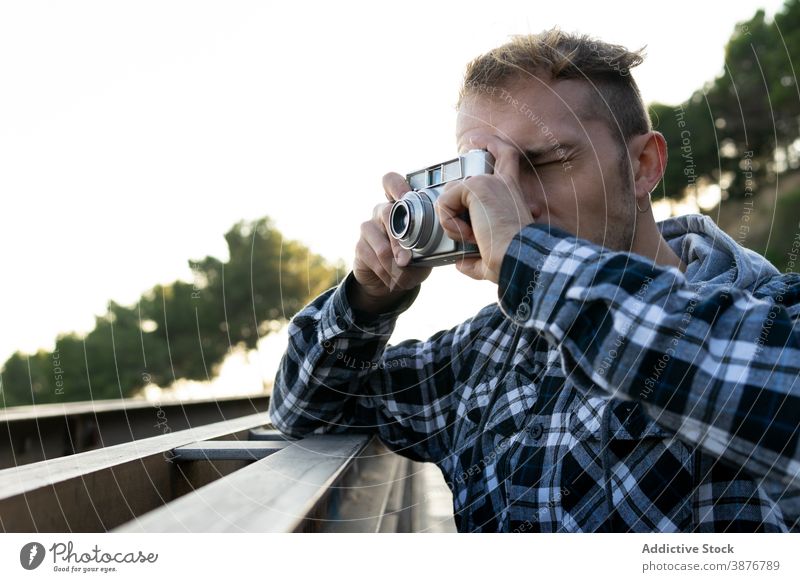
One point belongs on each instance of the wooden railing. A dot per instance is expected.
(237, 475)
(46, 431)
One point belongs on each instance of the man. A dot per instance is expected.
(633, 376)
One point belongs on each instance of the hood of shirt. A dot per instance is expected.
(711, 256)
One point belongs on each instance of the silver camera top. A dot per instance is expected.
(473, 163)
(413, 221)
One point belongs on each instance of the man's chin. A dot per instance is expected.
(613, 238)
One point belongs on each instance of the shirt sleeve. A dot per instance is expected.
(717, 366)
(338, 375)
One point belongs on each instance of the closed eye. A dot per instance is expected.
(529, 166)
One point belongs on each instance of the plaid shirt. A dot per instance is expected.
(633, 399)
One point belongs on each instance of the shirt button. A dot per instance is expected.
(535, 431)
(340, 322)
(628, 409)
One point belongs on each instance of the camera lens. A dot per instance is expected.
(399, 219)
(411, 220)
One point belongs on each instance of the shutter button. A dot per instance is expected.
(535, 431)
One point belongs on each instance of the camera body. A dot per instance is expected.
(413, 220)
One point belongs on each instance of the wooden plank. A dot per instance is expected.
(275, 494)
(268, 434)
(98, 490)
(397, 510)
(364, 495)
(59, 409)
(19, 480)
(227, 450)
(432, 510)
(66, 429)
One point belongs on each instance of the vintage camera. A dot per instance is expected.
(413, 221)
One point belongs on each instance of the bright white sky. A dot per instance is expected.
(134, 134)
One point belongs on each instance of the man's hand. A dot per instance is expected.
(381, 264)
(496, 206)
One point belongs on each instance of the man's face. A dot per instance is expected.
(571, 169)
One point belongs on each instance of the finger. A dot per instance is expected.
(370, 261)
(402, 256)
(451, 204)
(380, 216)
(506, 155)
(410, 278)
(366, 255)
(378, 209)
(392, 260)
(381, 248)
(458, 230)
(394, 186)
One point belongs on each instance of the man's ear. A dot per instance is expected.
(649, 163)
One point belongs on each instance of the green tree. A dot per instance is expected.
(180, 330)
(729, 131)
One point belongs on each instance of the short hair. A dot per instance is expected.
(560, 55)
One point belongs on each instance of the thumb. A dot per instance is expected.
(394, 186)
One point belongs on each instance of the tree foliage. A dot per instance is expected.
(180, 330)
(729, 131)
